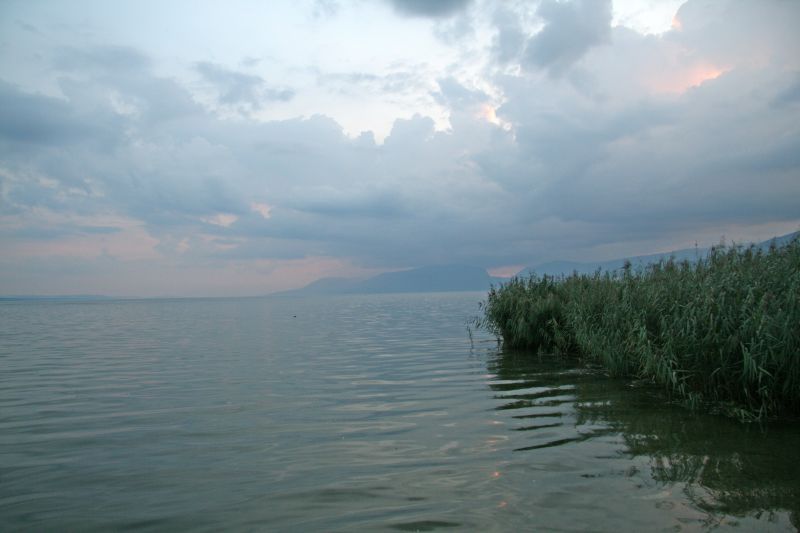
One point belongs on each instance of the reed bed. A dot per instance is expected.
(723, 331)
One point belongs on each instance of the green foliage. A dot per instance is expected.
(724, 330)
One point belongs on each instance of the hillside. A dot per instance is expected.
(558, 268)
(450, 278)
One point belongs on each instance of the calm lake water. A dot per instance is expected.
(351, 413)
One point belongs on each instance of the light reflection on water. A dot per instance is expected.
(343, 413)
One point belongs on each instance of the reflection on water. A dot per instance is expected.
(351, 413)
(727, 470)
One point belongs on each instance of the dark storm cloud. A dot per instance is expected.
(571, 29)
(237, 87)
(430, 8)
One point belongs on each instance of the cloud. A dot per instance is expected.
(97, 75)
(427, 8)
(239, 88)
(790, 95)
(454, 95)
(325, 8)
(571, 29)
(40, 120)
(510, 39)
(332, 203)
(27, 26)
(120, 170)
(100, 58)
(649, 169)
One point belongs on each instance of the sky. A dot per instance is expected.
(198, 148)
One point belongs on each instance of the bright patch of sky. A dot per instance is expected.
(649, 17)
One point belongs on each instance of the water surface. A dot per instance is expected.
(351, 413)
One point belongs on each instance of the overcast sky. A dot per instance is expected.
(233, 148)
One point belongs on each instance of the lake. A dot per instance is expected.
(344, 413)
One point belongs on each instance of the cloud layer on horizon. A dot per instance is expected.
(566, 138)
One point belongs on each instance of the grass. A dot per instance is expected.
(723, 331)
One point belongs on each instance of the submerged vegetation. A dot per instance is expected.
(721, 331)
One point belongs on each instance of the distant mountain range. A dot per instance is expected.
(558, 268)
(450, 278)
(469, 278)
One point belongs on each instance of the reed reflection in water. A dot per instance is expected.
(710, 471)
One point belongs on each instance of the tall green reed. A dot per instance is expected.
(724, 330)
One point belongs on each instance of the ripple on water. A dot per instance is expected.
(349, 413)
